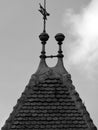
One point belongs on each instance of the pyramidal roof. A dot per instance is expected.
(50, 101)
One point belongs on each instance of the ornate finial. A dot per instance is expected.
(43, 37)
(60, 38)
(44, 13)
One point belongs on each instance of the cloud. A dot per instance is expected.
(83, 29)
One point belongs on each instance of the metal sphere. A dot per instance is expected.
(60, 37)
(44, 37)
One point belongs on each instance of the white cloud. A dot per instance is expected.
(83, 27)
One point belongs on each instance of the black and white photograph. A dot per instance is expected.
(48, 64)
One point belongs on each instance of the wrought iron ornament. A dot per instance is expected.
(44, 36)
(44, 12)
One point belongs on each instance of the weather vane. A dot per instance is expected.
(44, 13)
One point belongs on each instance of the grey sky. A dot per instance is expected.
(20, 25)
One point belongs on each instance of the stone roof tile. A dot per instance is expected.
(49, 105)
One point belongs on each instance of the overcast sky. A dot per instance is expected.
(20, 26)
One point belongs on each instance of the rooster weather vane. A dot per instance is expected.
(43, 11)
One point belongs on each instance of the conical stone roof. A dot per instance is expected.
(50, 101)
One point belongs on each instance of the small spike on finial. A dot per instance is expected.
(45, 14)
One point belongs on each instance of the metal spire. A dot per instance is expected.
(45, 14)
(44, 36)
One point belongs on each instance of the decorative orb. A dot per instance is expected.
(44, 36)
(60, 37)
